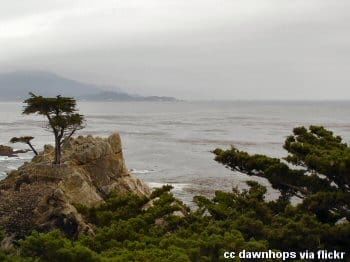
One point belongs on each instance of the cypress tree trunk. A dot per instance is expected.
(57, 152)
(32, 148)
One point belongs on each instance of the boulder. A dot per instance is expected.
(42, 196)
(9, 152)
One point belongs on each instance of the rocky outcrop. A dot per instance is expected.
(41, 196)
(9, 152)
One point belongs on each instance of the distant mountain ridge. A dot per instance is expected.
(116, 96)
(16, 86)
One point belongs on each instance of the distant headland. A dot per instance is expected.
(15, 86)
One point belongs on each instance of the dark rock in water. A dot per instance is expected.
(6, 151)
(9, 152)
(42, 196)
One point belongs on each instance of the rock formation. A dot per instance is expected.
(41, 196)
(9, 152)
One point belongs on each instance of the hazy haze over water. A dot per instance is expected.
(192, 49)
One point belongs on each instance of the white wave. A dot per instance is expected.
(25, 157)
(155, 184)
(11, 167)
(6, 158)
(179, 186)
(145, 171)
(15, 159)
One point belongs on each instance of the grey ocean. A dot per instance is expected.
(171, 142)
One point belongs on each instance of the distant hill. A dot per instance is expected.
(16, 86)
(119, 96)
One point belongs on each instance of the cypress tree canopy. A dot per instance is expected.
(60, 111)
(317, 169)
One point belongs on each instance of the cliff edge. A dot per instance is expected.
(41, 196)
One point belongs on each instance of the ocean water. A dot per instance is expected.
(171, 143)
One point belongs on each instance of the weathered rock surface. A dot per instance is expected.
(9, 152)
(41, 196)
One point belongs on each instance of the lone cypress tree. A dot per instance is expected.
(25, 140)
(61, 115)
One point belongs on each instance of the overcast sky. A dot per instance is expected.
(191, 49)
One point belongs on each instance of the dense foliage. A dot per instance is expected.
(161, 228)
(317, 170)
